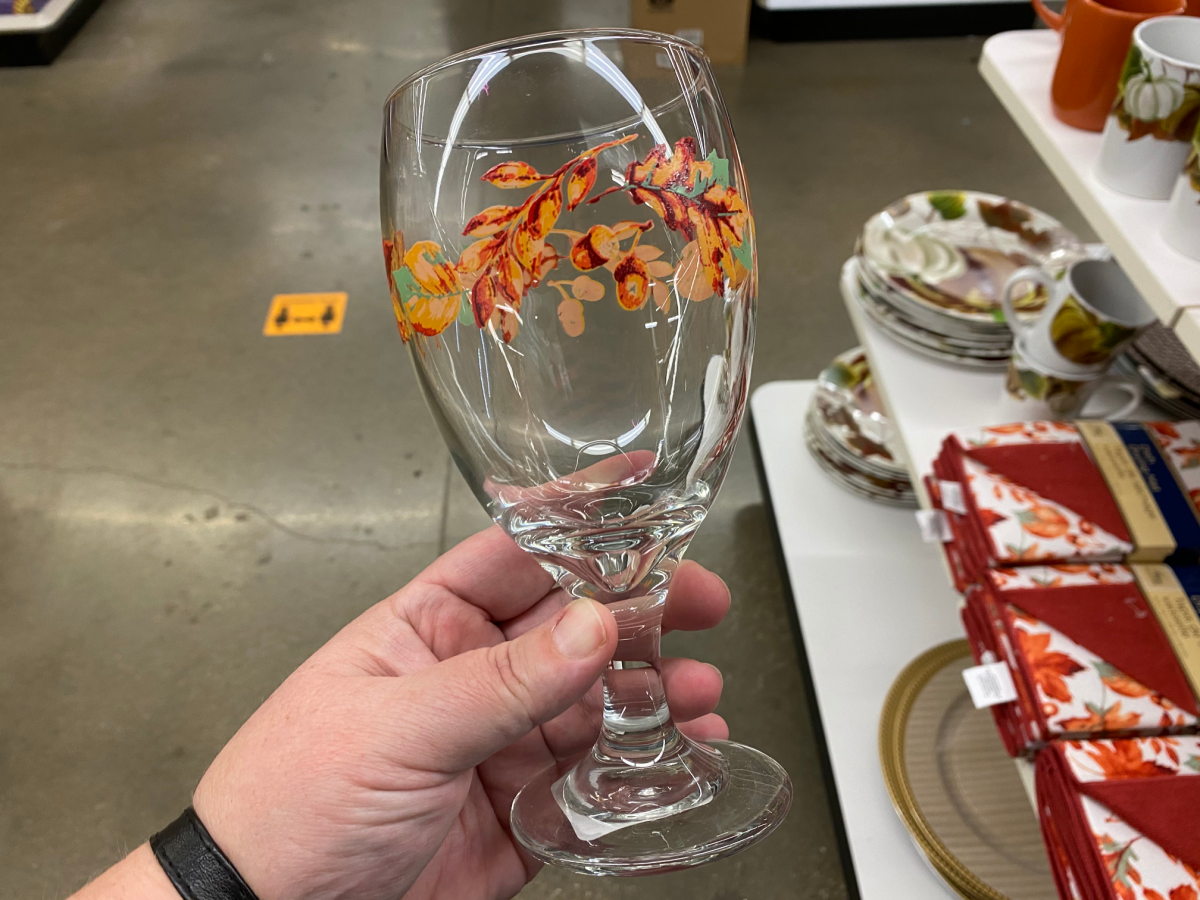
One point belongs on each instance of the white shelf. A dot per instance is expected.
(43, 20)
(1018, 66)
(870, 597)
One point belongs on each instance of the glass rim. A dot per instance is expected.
(546, 38)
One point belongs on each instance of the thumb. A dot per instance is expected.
(466, 708)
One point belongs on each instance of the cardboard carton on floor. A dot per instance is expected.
(721, 27)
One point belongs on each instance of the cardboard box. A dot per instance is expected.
(721, 27)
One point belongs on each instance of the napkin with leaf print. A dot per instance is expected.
(1029, 494)
(1121, 818)
(1087, 655)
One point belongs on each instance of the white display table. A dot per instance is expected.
(869, 597)
(1018, 66)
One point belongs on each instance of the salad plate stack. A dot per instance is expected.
(848, 433)
(1170, 377)
(929, 271)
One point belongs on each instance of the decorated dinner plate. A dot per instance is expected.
(866, 486)
(834, 448)
(922, 316)
(896, 321)
(853, 289)
(852, 414)
(952, 251)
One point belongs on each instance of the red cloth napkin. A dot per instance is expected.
(1030, 494)
(1121, 818)
(1087, 655)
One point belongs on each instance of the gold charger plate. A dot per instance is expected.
(955, 788)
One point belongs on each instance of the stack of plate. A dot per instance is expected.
(954, 786)
(929, 269)
(850, 437)
(1169, 375)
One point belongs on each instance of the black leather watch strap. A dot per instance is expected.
(194, 862)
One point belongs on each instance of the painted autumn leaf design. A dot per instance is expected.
(1118, 860)
(1118, 681)
(1189, 456)
(949, 204)
(1050, 668)
(1121, 759)
(1014, 218)
(427, 285)
(1102, 718)
(1083, 337)
(693, 197)
(393, 258)
(1165, 429)
(512, 252)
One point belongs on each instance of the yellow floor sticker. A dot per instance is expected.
(305, 314)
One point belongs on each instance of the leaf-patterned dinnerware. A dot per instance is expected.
(951, 252)
(893, 492)
(848, 432)
(852, 417)
(927, 343)
(1093, 313)
(987, 334)
(1034, 392)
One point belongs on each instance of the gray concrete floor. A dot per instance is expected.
(188, 509)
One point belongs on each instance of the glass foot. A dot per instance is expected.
(749, 805)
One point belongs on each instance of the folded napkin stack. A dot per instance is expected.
(1035, 493)
(1121, 818)
(1086, 650)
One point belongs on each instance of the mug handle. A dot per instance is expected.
(1050, 17)
(1027, 273)
(1129, 386)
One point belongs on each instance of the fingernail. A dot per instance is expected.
(580, 631)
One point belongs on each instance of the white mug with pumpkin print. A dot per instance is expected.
(1146, 137)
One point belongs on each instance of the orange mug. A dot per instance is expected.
(1096, 36)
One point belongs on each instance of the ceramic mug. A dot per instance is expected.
(1149, 131)
(1092, 312)
(1033, 391)
(1181, 229)
(1096, 36)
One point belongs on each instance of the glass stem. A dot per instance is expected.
(641, 767)
(637, 727)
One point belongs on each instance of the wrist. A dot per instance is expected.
(137, 877)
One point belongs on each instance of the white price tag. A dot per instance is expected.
(952, 497)
(990, 684)
(935, 527)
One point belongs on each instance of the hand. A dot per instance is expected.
(388, 761)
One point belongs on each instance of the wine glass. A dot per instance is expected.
(570, 253)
